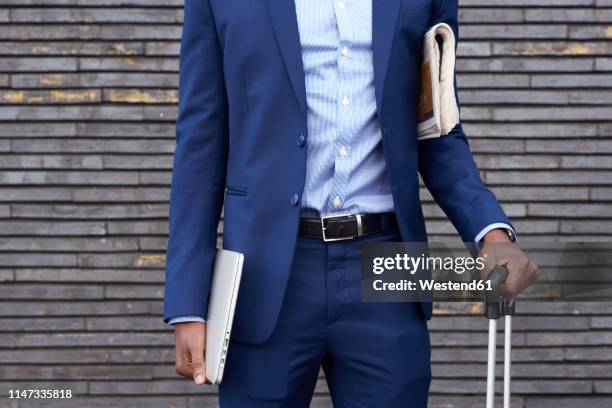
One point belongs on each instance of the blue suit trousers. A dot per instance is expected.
(373, 354)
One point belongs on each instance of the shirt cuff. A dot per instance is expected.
(496, 225)
(185, 319)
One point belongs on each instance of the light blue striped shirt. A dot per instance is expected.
(345, 168)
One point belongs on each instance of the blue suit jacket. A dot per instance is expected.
(241, 113)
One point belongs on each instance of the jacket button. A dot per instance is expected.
(295, 199)
(301, 140)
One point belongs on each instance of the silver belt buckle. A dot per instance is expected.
(359, 227)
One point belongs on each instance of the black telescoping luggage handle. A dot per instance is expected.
(495, 303)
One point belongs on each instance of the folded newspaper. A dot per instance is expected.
(438, 111)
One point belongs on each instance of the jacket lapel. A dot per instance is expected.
(284, 20)
(384, 22)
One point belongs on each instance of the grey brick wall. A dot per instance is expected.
(87, 108)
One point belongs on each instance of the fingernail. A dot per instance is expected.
(199, 379)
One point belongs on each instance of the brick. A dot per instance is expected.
(67, 48)
(28, 260)
(119, 194)
(115, 402)
(518, 386)
(155, 178)
(38, 64)
(119, 260)
(168, 48)
(530, 64)
(24, 373)
(89, 80)
(97, 112)
(477, 15)
(93, 15)
(89, 275)
(492, 80)
(571, 81)
(586, 162)
(526, 31)
(21, 228)
(91, 32)
(12, 195)
(94, 145)
(68, 177)
(586, 227)
(601, 322)
(37, 129)
(134, 292)
(601, 193)
(568, 15)
(100, 308)
(132, 130)
(130, 63)
(595, 354)
(551, 48)
(124, 355)
(580, 178)
(6, 275)
(139, 387)
(589, 32)
(573, 146)
(508, 161)
(566, 402)
(137, 228)
(529, 97)
(570, 210)
(520, 130)
(140, 323)
(95, 339)
(50, 97)
(60, 162)
(558, 114)
(153, 243)
(57, 292)
(41, 324)
(599, 338)
(68, 244)
(90, 211)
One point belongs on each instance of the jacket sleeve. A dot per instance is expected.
(198, 179)
(448, 169)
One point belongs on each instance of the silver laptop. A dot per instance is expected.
(221, 305)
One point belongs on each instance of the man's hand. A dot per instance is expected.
(498, 250)
(190, 340)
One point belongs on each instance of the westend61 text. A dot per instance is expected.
(430, 284)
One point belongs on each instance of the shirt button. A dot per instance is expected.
(345, 101)
(341, 5)
(344, 151)
(301, 140)
(337, 201)
(295, 199)
(344, 51)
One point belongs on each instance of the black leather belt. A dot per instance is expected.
(346, 226)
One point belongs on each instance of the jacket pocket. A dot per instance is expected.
(239, 191)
